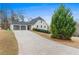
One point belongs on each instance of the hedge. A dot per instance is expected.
(41, 30)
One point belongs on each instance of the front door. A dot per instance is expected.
(29, 27)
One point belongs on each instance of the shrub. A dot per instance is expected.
(62, 24)
(41, 30)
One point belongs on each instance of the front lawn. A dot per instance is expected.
(8, 43)
(74, 42)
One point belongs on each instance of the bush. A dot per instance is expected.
(62, 24)
(41, 30)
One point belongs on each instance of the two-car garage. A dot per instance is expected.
(18, 27)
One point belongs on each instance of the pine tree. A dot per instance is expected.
(62, 24)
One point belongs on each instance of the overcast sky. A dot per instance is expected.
(45, 10)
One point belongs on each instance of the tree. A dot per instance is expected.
(62, 24)
(14, 16)
(21, 17)
(4, 17)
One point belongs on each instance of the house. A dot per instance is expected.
(37, 23)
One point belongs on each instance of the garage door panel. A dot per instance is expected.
(16, 27)
(23, 27)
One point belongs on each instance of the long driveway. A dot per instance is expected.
(33, 44)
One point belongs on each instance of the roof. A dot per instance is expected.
(20, 23)
(33, 21)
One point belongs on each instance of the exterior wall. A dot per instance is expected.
(26, 27)
(40, 23)
(11, 27)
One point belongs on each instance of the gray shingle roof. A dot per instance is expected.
(33, 21)
(20, 23)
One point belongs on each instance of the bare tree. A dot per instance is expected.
(14, 16)
(21, 17)
(4, 18)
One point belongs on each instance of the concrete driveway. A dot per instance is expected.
(33, 44)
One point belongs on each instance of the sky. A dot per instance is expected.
(44, 10)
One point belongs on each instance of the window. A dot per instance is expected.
(41, 26)
(41, 21)
(44, 26)
(37, 26)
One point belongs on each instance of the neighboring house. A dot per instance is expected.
(37, 23)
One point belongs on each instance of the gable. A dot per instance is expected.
(40, 22)
(33, 21)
